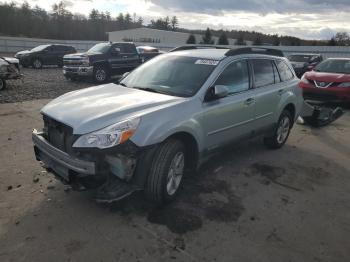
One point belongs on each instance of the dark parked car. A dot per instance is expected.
(102, 61)
(9, 69)
(44, 55)
(304, 62)
(148, 52)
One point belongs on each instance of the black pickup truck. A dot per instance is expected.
(102, 61)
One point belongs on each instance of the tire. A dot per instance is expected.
(101, 74)
(166, 172)
(281, 132)
(37, 63)
(2, 84)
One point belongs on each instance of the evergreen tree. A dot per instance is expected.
(174, 23)
(191, 39)
(257, 41)
(223, 39)
(240, 40)
(207, 38)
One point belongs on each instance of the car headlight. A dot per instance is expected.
(345, 84)
(109, 136)
(85, 61)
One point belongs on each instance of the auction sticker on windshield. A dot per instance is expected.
(207, 62)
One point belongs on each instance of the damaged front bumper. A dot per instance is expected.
(88, 168)
(60, 162)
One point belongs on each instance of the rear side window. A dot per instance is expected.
(235, 77)
(263, 73)
(127, 49)
(285, 73)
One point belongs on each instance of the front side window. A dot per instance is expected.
(263, 73)
(235, 77)
(284, 70)
(173, 75)
(100, 48)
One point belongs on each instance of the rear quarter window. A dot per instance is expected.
(285, 72)
(128, 49)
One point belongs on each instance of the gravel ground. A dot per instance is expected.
(247, 204)
(46, 83)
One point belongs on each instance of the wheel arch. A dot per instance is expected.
(292, 110)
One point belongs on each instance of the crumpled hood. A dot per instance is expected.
(327, 77)
(11, 60)
(75, 55)
(94, 108)
(23, 52)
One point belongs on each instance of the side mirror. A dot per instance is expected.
(220, 91)
(217, 92)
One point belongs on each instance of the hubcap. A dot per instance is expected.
(37, 64)
(100, 75)
(283, 130)
(175, 173)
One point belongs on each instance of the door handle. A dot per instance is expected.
(249, 101)
(280, 92)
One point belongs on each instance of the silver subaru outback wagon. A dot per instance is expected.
(166, 118)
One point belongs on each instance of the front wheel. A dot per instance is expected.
(166, 173)
(281, 132)
(100, 74)
(37, 64)
(2, 84)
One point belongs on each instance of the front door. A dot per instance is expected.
(230, 118)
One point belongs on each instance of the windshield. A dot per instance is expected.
(300, 58)
(39, 48)
(100, 48)
(334, 66)
(172, 75)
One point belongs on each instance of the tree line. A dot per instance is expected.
(59, 23)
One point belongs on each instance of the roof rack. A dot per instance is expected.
(254, 50)
(191, 47)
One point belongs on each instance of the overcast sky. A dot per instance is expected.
(308, 19)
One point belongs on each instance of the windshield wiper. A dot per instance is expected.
(122, 84)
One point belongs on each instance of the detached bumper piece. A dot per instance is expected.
(114, 190)
(319, 115)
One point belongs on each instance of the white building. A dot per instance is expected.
(155, 37)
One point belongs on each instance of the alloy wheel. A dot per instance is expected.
(283, 129)
(175, 173)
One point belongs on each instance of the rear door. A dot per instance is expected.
(130, 56)
(268, 90)
(49, 55)
(230, 118)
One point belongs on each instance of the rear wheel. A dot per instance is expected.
(37, 64)
(2, 84)
(166, 173)
(101, 74)
(281, 132)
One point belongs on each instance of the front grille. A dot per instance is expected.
(59, 135)
(72, 62)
